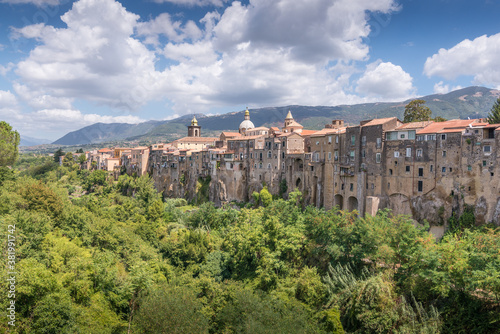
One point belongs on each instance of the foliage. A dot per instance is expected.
(119, 258)
(494, 114)
(9, 141)
(57, 154)
(415, 111)
(265, 197)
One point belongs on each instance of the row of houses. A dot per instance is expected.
(425, 169)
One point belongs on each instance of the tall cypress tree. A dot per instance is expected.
(494, 115)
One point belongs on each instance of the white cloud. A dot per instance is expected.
(265, 53)
(65, 117)
(386, 81)
(191, 3)
(38, 3)
(7, 99)
(441, 88)
(94, 58)
(6, 69)
(163, 25)
(313, 31)
(477, 58)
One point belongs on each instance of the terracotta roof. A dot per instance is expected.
(105, 150)
(197, 139)
(490, 126)
(414, 125)
(231, 134)
(140, 148)
(258, 129)
(294, 124)
(307, 133)
(274, 128)
(379, 121)
(248, 137)
(455, 125)
(326, 131)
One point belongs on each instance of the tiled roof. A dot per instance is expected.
(307, 133)
(326, 131)
(248, 137)
(414, 125)
(196, 139)
(455, 125)
(231, 134)
(294, 124)
(379, 121)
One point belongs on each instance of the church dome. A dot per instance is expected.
(246, 124)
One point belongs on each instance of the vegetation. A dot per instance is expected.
(415, 111)
(9, 141)
(95, 255)
(494, 115)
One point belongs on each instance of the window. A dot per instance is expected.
(363, 140)
(316, 157)
(379, 142)
(260, 156)
(260, 165)
(329, 155)
(420, 171)
(283, 155)
(363, 167)
(451, 169)
(391, 136)
(420, 186)
(353, 140)
(336, 139)
(402, 136)
(484, 163)
(388, 185)
(411, 134)
(396, 154)
(342, 186)
(378, 157)
(352, 155)
(351, 187)
(421, 137)
(336, 155)
(431, 168)
(268, 166)
(487, 149)
(269, 155)
(390, 171)
(443, 137)
(329, 139)
(408, 151)
(363, 153)
(373, 186)
(444, 154)
(317, 143)
(443, 170)
(431, 137)
(283, 144)
(419, 153)
(283, 165)
(251, 155)
(407, 169)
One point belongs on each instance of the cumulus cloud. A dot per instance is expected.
(313, 31)
(38, 3)
(266, 52)
(7, 99)
(192, 3)
(66, 117)
(477, 58)
(94, 58)
(386, 81)
(441, 88)
(6, 69)
(175, 31)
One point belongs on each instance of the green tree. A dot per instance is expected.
(494, 115)
(68, 160)
(82, 158)
(57, 154)
(265, 197)
(9, 141)
(415, 111)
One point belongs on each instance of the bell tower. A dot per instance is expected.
(194, 130)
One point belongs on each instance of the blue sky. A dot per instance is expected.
(68, 64)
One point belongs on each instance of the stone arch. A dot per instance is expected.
(298, 165)
(298, 182)
(196, 133)
(399, 204)
(338, 201)
(352, 203)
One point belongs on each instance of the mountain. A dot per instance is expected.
(30, 141)
(473, 102)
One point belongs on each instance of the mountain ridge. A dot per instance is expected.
(473, 102)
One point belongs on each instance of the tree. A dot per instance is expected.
(9, 141)
(494, 115)
(57, 154)
(415, 111)
(68, 160)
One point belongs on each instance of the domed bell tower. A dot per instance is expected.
(194, 130)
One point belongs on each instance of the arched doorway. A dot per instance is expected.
(298, 182)
(338, 201)
(352, 203)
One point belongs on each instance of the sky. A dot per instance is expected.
(68, 64)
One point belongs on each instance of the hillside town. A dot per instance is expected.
(424, 169)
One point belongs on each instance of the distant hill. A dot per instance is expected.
(473, 102)
(30, 141)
